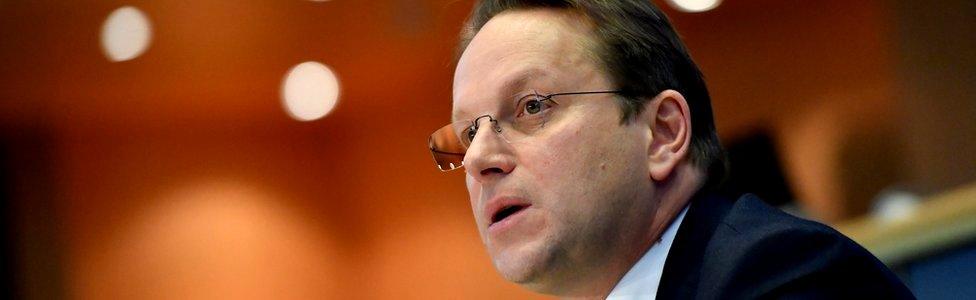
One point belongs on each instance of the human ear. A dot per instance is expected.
(669, 122)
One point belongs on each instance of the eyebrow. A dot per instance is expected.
(514, 85)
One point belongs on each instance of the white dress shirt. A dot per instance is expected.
(643, 278)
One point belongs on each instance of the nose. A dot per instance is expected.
(489, 155)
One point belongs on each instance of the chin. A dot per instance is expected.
(520, 270)
(529, 277)
(529, 267)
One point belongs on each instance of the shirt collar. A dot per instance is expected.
(642, 280)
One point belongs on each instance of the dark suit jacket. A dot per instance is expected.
(745, 249)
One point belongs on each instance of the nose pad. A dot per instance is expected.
(478, 126)
(494, 124)
(488, 155)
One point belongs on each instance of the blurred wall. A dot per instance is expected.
(814, 74)
(937, 91)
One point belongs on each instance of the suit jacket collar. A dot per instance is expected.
(684, 263)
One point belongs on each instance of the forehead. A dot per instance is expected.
(519, 50)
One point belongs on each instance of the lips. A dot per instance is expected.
(506, 212)
(500, 209)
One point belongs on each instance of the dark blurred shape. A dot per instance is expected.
(30, 244)
(7, 260)
(754, 167)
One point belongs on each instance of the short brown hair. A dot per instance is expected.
(643, 56)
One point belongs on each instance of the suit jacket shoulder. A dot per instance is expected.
(747, 249)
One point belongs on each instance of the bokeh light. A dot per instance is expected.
(126, 34)
(310, 91)
(694, 5)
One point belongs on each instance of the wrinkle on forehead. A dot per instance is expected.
(509, 52)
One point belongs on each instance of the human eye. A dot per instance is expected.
(533, 104)
(467, 134)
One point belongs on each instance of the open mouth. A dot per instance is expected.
(506, 212)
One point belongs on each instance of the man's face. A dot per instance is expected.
(579, 187)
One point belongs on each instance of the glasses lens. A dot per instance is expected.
(447, 148)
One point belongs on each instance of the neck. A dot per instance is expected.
(672, 195)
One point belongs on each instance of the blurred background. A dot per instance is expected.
(277, 149)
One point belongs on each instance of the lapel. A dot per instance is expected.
(682, 268)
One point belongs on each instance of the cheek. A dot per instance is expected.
(578, 150)
(566, 162)
(587, 160)
(564, 146)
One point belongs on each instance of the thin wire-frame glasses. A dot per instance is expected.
(450, 143)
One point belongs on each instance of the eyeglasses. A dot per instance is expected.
(450, 143)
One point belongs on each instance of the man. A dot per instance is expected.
(586, 135)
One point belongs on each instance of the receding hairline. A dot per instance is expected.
(588, 43)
